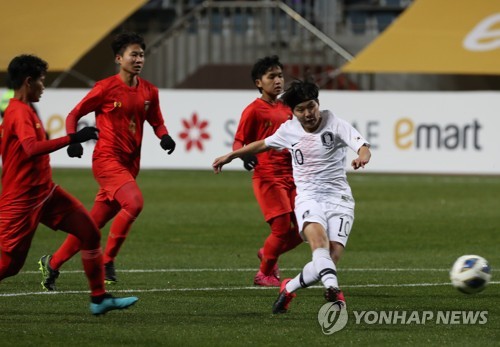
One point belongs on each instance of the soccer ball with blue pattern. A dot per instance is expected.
(470, 274)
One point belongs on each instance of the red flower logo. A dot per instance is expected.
(194, 132)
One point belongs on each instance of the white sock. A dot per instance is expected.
(325, 267)
(307, 277)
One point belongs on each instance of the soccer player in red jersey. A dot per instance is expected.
(122, 103)
(272, 180)
(29, 196)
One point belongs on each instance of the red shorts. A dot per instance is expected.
(18, 222)
(111, 175)
(275, 195)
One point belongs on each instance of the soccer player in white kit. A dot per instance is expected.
(324, 205)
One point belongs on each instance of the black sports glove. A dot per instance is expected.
(167, 143)
(75, 150)
(85, 134)
(250, 162)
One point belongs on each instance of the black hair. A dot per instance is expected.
(298, 92)
(260, 68)
(125, 39)
(24, 66)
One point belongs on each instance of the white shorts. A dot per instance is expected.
(336, 219)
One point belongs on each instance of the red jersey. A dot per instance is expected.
(259, 120)
(26, 172)
(120, 113)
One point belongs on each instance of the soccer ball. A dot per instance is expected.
(470, 274)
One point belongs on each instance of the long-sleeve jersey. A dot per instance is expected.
(26, 172)
(259, 120)
(120, 113)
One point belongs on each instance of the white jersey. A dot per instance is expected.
(319, 158)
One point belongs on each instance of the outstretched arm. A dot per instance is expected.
(34, 147)
(252, 148)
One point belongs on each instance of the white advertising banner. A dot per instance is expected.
(418, 132)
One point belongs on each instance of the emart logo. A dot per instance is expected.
(333, 318)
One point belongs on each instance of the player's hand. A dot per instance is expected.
(362, 159)
(357, 163)
(85, 134)
(250, 162)
(220, 162)
(167, 143)
(75, 150)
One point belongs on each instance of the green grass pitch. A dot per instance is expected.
(191, 258)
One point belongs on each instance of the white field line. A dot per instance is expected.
(250, 270)
(163, 290)
(238, 288)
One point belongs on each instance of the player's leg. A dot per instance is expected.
(64, 212)
(17, 229)
(315, 234)
(274, 243)
(333, 294)
(12, 262)
(69, 215)
(340, 222)
(273, 198)
(130, 199)
(293, 238)
(321, 268)
(101, 212)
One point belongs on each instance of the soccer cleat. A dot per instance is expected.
(284, 298)
(276, 270)
(266, 281)
(333, 294)
(110, 273)
(110, 303)
(49, 275)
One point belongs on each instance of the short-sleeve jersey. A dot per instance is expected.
(120, 113)
(23, 177)
(259, 120)
(319, 158)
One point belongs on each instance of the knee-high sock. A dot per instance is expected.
(68, 249)
(293, 238)
(101, 213)
(275, 242)
(81, 225)
(129, 197)
(306, 278)
(325, 267)
(117, 235)
(94, 270)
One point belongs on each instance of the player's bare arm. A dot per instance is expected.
(252, 148)
(363, 158)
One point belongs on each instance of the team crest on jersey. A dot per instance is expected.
(38, 126)
(146, 105)
(306, 214)
(117, 104)
(328, 139)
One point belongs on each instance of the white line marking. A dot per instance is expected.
(160, 290)
(250, 270)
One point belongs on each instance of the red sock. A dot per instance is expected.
(68, 249)
(94, 270)
(293, 239)
(272, 247)
(117, 235)
(277, 242)
(129, 197)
